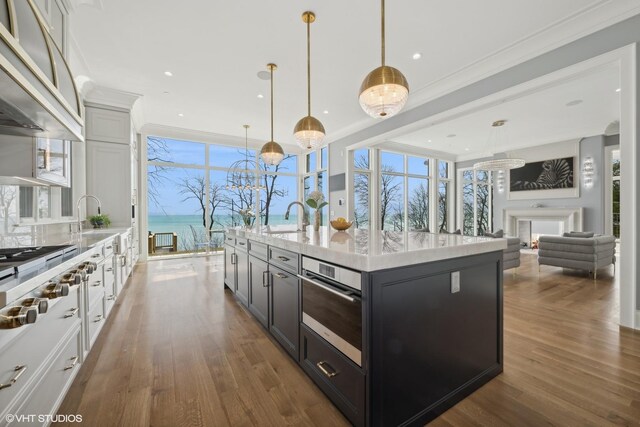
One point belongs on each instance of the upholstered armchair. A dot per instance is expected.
(580, 251)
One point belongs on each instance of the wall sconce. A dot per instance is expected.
(588, 171)
(500, 181)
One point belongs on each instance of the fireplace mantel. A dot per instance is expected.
(571, 217)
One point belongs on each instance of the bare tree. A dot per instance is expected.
(482, 208)
(194, 188)
(390, 192)
(418, 213)
(272, 191)
(8, 196)
(397, 217)
(157, 151)
(361, 190)
(443, 205)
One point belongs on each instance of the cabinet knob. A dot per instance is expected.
(41, 304)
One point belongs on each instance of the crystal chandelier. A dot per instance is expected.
(309, 131)
(498, 164)
(271, 152)
(241, 173)
(385, 90)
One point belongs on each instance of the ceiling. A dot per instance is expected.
(215, 49)
(577, 108)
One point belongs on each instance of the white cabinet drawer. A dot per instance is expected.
(108, 249)
(95, 320)
(95, 286)
(109, 275)
(34, 346)
(49, 392)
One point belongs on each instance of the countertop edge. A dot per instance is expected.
(370, 263)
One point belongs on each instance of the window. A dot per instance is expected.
(315, 177)
(476, 201)
(361, 188)
(195, 190)
(615, 193)
(404, 187)
(407, 191)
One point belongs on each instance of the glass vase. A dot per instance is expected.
(317, 217)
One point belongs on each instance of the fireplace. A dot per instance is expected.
(528, 223)
(529, 232)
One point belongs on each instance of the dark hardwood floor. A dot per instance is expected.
(179, 351)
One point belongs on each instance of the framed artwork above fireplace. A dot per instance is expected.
(551, 172)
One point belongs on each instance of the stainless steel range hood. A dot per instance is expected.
(38, 96)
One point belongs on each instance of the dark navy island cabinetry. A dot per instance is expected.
(389, 345)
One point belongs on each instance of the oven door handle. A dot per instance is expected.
(328, 288)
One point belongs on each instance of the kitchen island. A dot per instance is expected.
(394, 327)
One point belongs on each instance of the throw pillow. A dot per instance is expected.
(583, 234)
(496, 234)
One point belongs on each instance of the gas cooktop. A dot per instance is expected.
(18, 260)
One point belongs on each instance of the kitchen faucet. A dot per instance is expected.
(86, 196)
(305, 215)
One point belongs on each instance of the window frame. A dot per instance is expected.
(315, 173)
(461, 181)
(207, 168)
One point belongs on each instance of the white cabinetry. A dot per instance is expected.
(112, 172)
(109, 179)
(108, 125)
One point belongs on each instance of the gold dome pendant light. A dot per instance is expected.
(309, 132)
(385, 90)
(271, 152)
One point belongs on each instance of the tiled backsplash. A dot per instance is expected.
(13, 234)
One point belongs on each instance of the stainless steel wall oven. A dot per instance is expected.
(332, 305)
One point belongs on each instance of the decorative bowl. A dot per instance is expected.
(341, 226)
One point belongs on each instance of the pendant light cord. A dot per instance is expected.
(271, 68)
(246, 145)
(309, 65)
(382, 28)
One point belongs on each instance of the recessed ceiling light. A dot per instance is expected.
(260, 96)
(467, 149)
(326, 111)
(180, 115)
(618, 90)
(428, 140)
(168, 73)
(574, 102)
(451, 135)
(264, 75)
(165, 93)
(417, 55)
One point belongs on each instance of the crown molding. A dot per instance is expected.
(112, 97)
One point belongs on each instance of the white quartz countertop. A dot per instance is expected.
(15, 286)
(370, 251)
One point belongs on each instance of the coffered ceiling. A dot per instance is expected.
(214, 50)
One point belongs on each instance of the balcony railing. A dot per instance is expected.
(163, 242)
